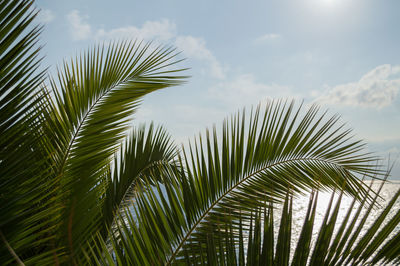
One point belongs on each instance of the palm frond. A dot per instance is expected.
(144, 153)
(24, 177)
(251, 241)
(284, 153)
(228, 181)
(326, 249)
(95, 98)
(372, 247)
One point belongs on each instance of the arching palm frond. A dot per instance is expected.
(24, 178)
(63, 183)
(257, 241)
(353, 243)
(226, 182)
(56, 148)
(139, 161)
(95, 98)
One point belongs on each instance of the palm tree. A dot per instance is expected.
(219, 207)
(79, 186)
(59, 137)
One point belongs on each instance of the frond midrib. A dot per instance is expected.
(75, 135)
(83, 120)
(136, 177)
(226, 193)
(135, 181)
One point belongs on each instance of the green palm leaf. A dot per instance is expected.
(57, 148)
(65, 189)
(141, 157)
(326, 245)
(95, 98)
(274, 158)
(371, 241)
(226, 182)
(24, 179)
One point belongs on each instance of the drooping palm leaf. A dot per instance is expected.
(95, 98)
(326, 244)
(56, 149)
(253, 243)
(24, 177)
(370, 241)
(285, 152)
(56, 155)
(143, 154)
(227, 180)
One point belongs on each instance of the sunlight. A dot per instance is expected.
(327, 4)
(329, 8)
(330, 4)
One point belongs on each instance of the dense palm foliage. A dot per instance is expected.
(59, 138)
(219, 208)
(78, 185)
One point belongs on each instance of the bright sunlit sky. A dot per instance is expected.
(343, 54)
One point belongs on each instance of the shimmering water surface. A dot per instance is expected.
(300, 205)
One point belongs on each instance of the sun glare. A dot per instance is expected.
(330, 3)
(328, 6)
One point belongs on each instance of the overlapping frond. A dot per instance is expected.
(280, 151)
(58, 139)
(139, 163)
(63, 182)
(226, 180)
(95, 98)
(257, 241)
(335, 244)
(24, 182)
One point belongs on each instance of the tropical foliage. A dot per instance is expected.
(79, 185)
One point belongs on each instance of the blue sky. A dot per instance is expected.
(343, 54)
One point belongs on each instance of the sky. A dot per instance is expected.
(342, 54)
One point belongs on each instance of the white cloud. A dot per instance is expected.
(376, 89)
(162, 30)
(267, 37)
(245, 90)
(45, 16)
(79, 28)
(196, 48)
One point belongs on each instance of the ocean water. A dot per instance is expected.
(300, 205)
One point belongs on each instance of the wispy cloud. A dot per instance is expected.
(160, 30)
(79, 28)
(246, 90)
(266, 38)
(196, 48)
(376, 89)
(45, 16)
